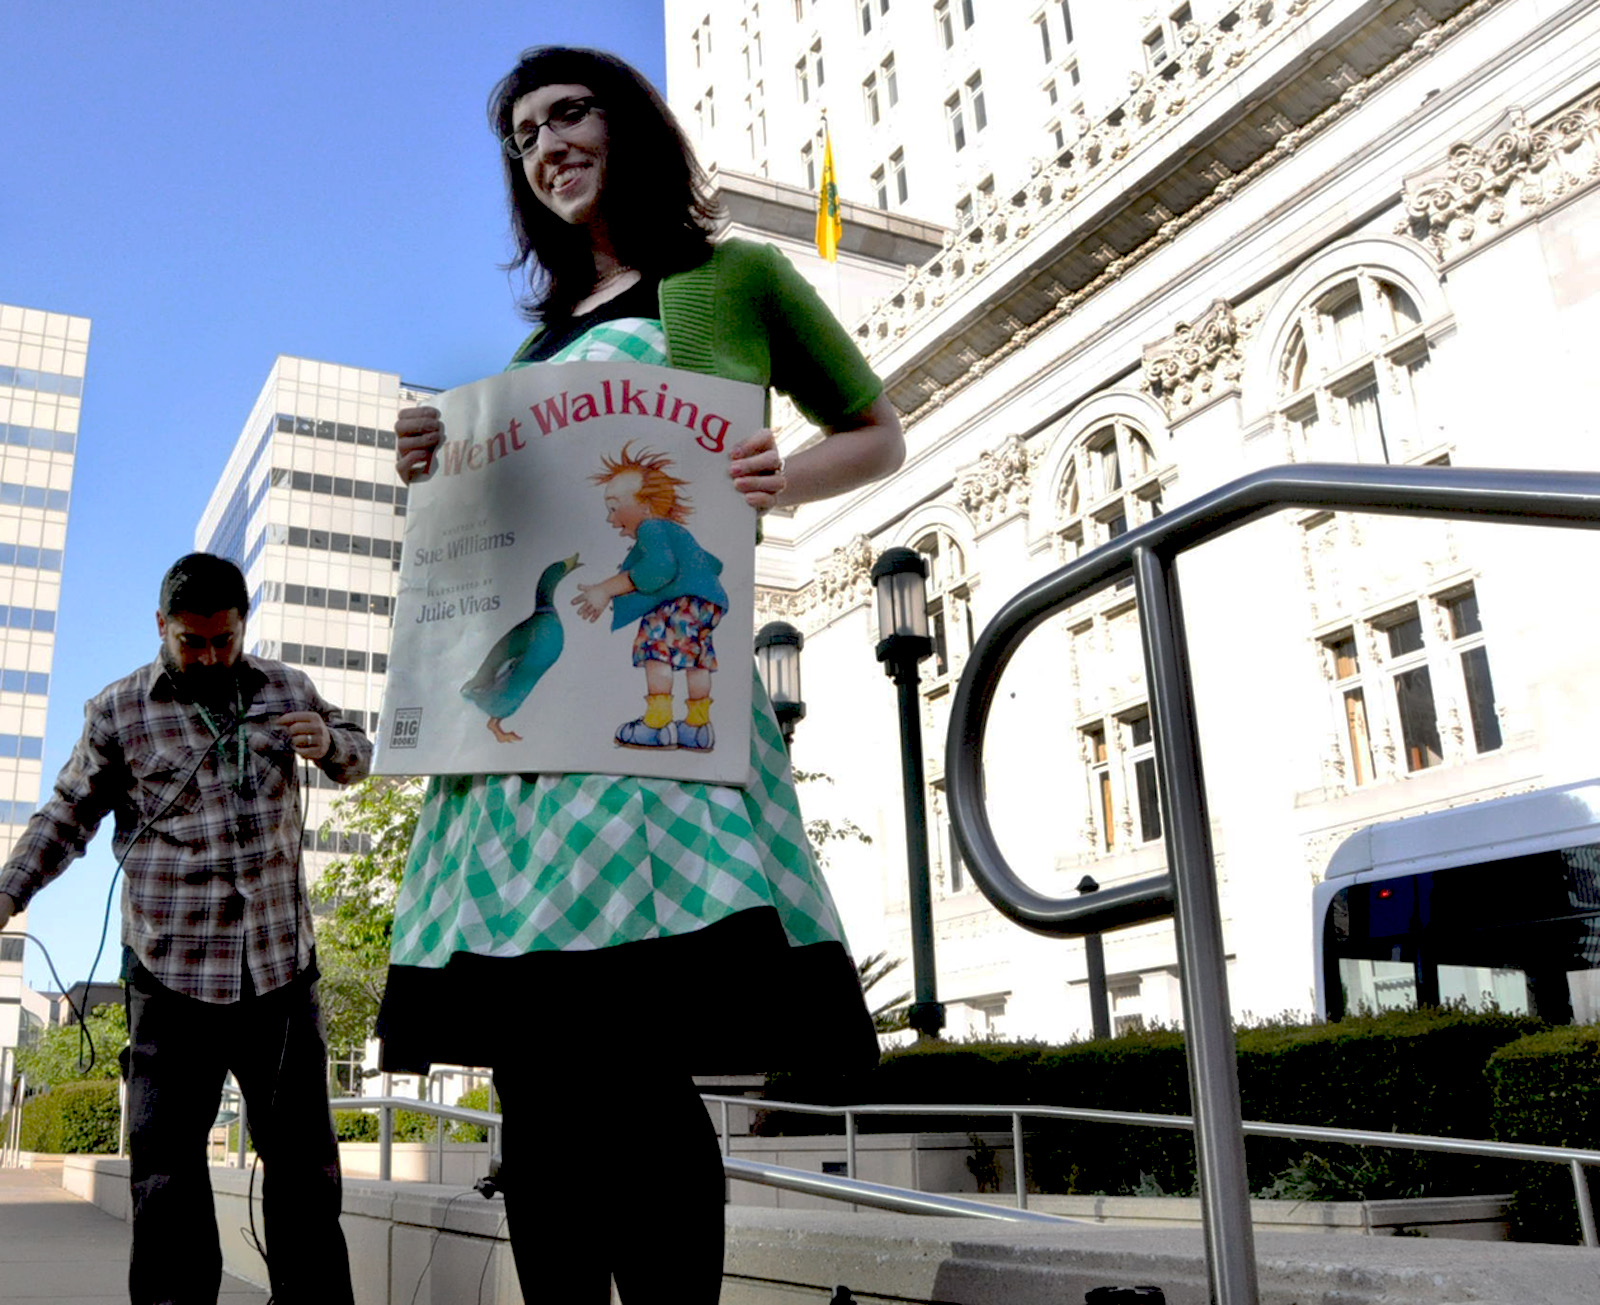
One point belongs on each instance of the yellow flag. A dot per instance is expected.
(829, 226)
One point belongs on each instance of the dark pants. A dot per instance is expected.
(621, 1177)
(180, 1052)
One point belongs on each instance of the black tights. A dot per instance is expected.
(615, 1177)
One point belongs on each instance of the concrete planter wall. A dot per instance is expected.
(923, 1162)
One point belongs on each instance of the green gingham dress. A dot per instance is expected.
(683, 880)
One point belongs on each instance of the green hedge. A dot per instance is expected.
(1413, 1071)
(1546, 1089)
(360, 1126)
(72, 1119)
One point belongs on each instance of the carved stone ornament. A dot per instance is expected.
(1502, 179)
(1196, 362)
(999, 482)
(779, 605)
(845, 577)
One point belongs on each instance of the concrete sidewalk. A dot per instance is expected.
(61, 1249)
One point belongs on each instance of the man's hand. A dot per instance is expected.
(8, 908)
(308, 734)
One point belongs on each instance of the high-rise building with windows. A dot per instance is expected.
(1174, 246)
(43, 361)
(309, 507)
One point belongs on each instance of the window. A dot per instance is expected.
(816, 62)
(1043, 24)
(1353, 377)
(1465, 631)
(1110, 484)
(1412, 682)
(897, 167)
(1140, 743)
(1344, 661)
(1124, 792)
(880, 187)
(968, 14)
(1126, 1017)
(943, 847)
(808, 164)
(1099, 759)
(1066, 19)
(943, 25)
(869, 99)
(1398, 678)
(865, 11)
(955, 120)
(1162, 43)
(964, 107)
(891, 87)
(949, 622)
(802, 81)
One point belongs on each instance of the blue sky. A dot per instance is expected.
(214, 185)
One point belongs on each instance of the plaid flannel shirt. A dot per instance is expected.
(216, 883)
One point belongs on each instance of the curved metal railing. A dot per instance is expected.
(1189, 891)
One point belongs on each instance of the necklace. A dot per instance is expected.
(615, 274)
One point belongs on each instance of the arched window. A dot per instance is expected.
(1352, 379)
(949, 621)
(1110, 484)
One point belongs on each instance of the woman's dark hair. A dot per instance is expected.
(202, 584)
(657, 203)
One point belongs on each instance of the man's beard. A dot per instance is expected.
(215, 686)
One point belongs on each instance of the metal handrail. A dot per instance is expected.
(1574, 1157)
(1189, 890)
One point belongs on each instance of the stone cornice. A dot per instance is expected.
(1507, 176)
(1242, 99)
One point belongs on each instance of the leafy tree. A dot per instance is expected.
(62, 1055)
(355, 900)
(822, 831)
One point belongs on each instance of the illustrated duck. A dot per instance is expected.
(524, 653)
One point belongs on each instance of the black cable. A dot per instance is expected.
(489, 1258)
(438, 1233)
(251, 1236)
(105, 926)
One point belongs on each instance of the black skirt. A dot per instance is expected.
(733, 997)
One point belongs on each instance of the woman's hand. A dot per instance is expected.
(419, 432)
(757, 470)
(862, 448)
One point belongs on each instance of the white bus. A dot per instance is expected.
(1494, 903)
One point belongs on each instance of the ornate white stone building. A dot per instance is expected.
(1332, 230)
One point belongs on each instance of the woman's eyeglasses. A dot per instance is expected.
(566, 116)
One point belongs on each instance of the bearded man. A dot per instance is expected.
(195, 755)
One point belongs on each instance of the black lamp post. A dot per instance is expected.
(1095, 954)
(900, 578)
(778, 646)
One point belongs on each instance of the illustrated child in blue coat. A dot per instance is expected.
(668, 584)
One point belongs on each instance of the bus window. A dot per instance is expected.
(1521, 934)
